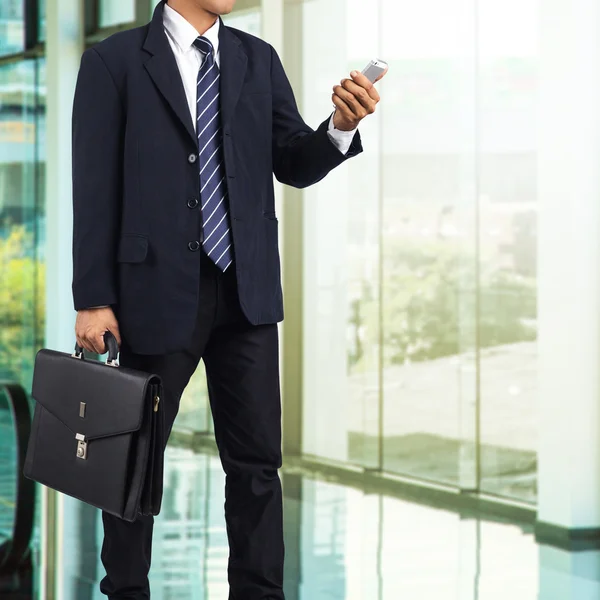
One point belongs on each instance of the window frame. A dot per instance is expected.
(33, 47)
(95, 33)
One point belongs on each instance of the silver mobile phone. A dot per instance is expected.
(374, 69)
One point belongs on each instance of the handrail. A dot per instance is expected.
(15, 550)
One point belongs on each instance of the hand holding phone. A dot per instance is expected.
(356, 98)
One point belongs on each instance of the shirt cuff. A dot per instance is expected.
(342, 140)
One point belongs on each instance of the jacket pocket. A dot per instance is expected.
(133, 248)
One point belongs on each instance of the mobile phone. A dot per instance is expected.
(374, 69)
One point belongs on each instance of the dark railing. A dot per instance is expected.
(15, 556)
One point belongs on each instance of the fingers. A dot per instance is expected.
(80, 342)
(359, 94)
(367, 91)
(85, 343)
(112, 325)
(354, 99)
(367, 98)
(359, 110)
(89, 347)
(347, 100)
(361, 80)
(343, 108)
(93, 342)
(91, 326)
(97, 343)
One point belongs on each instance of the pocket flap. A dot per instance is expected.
(133, 248)
(89, 397)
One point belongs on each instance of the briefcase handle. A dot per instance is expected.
(113, 349)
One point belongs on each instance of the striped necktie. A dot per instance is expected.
(216, 233)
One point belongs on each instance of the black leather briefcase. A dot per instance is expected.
(97, 432)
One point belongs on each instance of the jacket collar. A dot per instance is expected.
(163, 70)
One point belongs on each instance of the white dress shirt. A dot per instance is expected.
(181, 35)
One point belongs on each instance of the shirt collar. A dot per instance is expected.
(184, 33)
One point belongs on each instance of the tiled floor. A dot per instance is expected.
(341, 545)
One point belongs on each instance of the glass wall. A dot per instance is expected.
(116, 12)
(22, 135)
(22, 268)
(428, 241)
(420, 255)
(508, 217)
(22, 180)
(11, 27)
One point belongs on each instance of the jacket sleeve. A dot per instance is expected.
(301, 156)
(98, 123)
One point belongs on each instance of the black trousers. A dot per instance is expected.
(242, 370)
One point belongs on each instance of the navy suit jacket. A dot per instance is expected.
(136, 184)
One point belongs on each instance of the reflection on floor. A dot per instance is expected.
(341, 545)
(344, 545)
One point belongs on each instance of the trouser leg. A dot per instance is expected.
(127, 547)
(243, 379)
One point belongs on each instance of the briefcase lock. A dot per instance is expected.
(81, 446)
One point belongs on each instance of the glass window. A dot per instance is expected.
(42, 20)
(116, 12)
(248, 21)
(428, 238)
(419, 255)
(22, 287)
(22, 174)
(194, 408)
(153, 4)
(341, 252)
(508, 217)
(389, 308)
(12, 26)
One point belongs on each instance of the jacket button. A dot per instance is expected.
(192, 158)
(192, 202)
(194, 246)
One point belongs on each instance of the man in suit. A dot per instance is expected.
(178, 127)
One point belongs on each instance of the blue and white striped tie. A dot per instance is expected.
(216, 233)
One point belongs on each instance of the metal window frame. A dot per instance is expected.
(91, 18)
(33, 47)
(95, 33)
(31, 15)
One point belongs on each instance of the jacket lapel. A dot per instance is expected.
(163, 69)
(233, 70)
